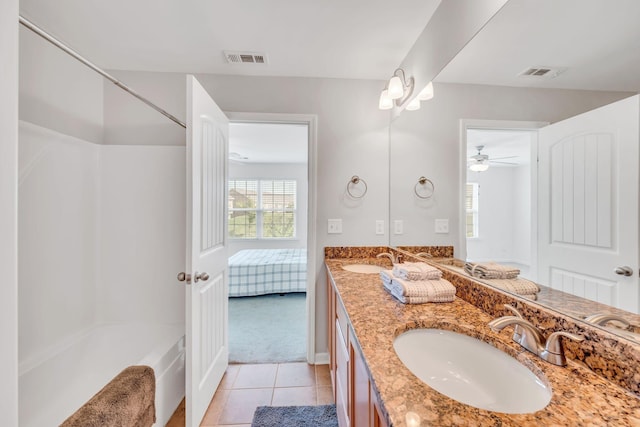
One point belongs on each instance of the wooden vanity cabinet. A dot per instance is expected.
(356, 402)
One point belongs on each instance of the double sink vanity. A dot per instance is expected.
(446, 364)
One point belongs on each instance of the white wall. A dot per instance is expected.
(352, 140)
(495, 215)
(427, 142)
(9, 210)
(504, 215)
(57, 238)
(58, 92)
(296, 171)
(522, 208)
(142, 228)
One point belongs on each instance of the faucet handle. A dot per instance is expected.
(554, 345)
(513, 310)
(602, 318)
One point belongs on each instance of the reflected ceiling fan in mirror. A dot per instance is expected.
(480, 162)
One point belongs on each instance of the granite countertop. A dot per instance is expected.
(580, 397)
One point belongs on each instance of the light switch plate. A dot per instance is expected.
(442, 226)
(398, 226)
(380, 226)
(334, 226)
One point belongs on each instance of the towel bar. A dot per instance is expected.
(429, 188)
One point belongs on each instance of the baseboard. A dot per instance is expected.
(322, 359)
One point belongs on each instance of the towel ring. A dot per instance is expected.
(429, 188)
(355, 180)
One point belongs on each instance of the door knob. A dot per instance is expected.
(184, 277)
(624, 271)
(200, 276)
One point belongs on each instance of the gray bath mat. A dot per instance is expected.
(295, 416)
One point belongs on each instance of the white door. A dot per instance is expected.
(588, 204)
(206, 298)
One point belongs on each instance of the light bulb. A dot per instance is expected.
(426, 93)
(395, 88)
(385, 102)
(479, 167)
(414, 105)
(412, 419)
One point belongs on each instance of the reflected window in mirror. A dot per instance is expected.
(471, 204)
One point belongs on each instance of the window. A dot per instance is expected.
(262, 209)
(471, 206)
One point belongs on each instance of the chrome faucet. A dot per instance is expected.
(601, 318)
(531, 338)
(424, 254)
(388, 255)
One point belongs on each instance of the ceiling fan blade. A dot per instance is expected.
(504, 163)
(501, 158)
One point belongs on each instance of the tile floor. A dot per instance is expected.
(245, 387)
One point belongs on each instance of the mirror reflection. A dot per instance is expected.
(513, 183)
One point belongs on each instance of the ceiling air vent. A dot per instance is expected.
(245, 57)
(542, 72)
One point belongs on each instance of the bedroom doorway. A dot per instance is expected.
(268, 228)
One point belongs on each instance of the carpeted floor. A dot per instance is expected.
(268, 329)
(295, 416)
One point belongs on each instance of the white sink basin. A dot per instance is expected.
(471, 371)
(363, 268)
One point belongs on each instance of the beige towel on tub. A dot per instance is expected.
(128, 400)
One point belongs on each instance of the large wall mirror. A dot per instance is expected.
(537, 62)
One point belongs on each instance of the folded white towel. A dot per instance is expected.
(491, 270)
(386, 276)
(518, 285)
(421, 291)
(416, 271)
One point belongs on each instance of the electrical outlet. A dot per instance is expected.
(379, 226)
(334, 226)
(442, 226)
(398, 226)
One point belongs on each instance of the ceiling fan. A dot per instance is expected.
(480, 162)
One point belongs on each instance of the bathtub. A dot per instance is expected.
(54, 387)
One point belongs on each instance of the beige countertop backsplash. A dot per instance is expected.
(600, 386)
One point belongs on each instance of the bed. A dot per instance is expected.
(267, 271)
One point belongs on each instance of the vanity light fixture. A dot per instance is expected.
(385, 102)
(397, 90)
(414, 104)
(426, 93)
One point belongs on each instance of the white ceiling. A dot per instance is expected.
(498, 144)
(268, 143)
(361, 39)
(597, 41)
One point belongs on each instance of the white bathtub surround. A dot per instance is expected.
(101, 236)
(52, 390)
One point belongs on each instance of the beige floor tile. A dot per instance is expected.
(215, 408)
(178, 417)
(325, 395)
(230, 376)
(293, 396)
(295, 375)
(241, 404)
(323, 375)
(256, 376)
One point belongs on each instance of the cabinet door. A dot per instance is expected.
(331, 332)
(377, 419)
(360, 412)
(342, 378)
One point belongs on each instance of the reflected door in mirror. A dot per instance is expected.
(588, 209)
